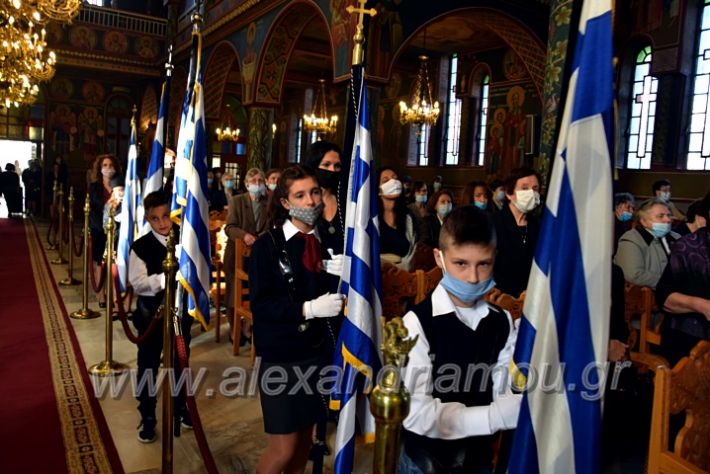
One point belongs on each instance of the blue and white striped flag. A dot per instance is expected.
(194, 258)
(131, 211)
(359, 340)
(154, 179)
(564, 330)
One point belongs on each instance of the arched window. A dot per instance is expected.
(644, 89)
(482, 120)
(699, 135)
(453, 116)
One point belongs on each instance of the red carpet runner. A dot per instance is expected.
(49, 419)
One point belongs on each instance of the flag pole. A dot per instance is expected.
(170, 266)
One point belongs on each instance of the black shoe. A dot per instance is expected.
(102, 305)
(244, 341)
(147, 433)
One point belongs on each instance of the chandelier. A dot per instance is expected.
(227, 134)
(421, 108)
(319, 121)
(62, 11)
(24, 57)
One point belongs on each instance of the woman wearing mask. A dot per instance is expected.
(272, 179)
(421, 197)
(398, 236)
(246, 220)
(100, 192)
(440, 206)
(291, 314)
(228, 186)
(324, 159)
(497, 195)
(476, 194)
(643, 251)
(624, 205)
(517, 229)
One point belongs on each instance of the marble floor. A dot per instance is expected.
(232, 422)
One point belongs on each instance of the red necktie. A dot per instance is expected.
(311, 255)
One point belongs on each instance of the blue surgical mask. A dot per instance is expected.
(421, 198)
(625, 216)
(481, 205)
(660, 229)
(229, 184)
(500, 196)
(463, 290)
(257, 190)
(665, 196)
(444, 209)
(209, 181)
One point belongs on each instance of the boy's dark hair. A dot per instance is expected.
(659, 184)
(515, 175)
(495, 183)
(155, 199)
(316, 151)
(467, 225)
(277, 214)
(621, 198)
(697, 208)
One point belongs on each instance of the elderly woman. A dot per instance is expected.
(246, 220)
(643, 251)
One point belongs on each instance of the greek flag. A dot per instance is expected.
(564, 329)
(154, 180)
(131, 210)
(357, 349)
(194, 256)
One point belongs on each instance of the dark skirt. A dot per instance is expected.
(287, 406)
(98, 245)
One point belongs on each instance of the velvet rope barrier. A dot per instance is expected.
(154, 323)
(210, 465)
(97, 288)
(52, 226)
(78, 251)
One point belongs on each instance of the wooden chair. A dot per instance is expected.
(219, 288)
(241, 296)
(426, 282)
(399, 289)
(685, 388)
(639, 303)
(508, 302)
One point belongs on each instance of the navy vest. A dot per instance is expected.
(152, 252)
(452, 343)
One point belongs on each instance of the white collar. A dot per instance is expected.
(290, 230)
(163, 239)
(441, 304)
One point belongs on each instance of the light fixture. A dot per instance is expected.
(318, 121)
(62, 11)
(274, 128)
(227, 134)
(421, 109)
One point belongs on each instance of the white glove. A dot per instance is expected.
(325, 306)
(503, 413)
(334, 266)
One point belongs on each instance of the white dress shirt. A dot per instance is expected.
(290, 230)
(142, 283)
(429, 416)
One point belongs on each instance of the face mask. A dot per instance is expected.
(526, 200)
(210, 181)
(463, 290)
(665, 196)
(271, 186)
(660, 229)
(421, 198)
(327, 179)
(307, 215)
(625, 216)
(500, 196)
(393, 187)
(229, 184)
(256, 189)
(108, 172)
(444, 209)
(436, 186)
(481, 205)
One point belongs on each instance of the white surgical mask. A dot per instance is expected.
(393, 187)
(271, 186)
(108, 172)
(256, 189)
(526, 200)
(665, 196)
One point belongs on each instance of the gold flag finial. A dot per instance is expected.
(359, 37)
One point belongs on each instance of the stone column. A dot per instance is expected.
(557, 41)
(260, 141)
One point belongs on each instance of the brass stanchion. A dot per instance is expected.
(389, 402)
(70, 280)
(108, 366)
(85, 312)
(60, 228)
(52, 207)
(170, 265)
